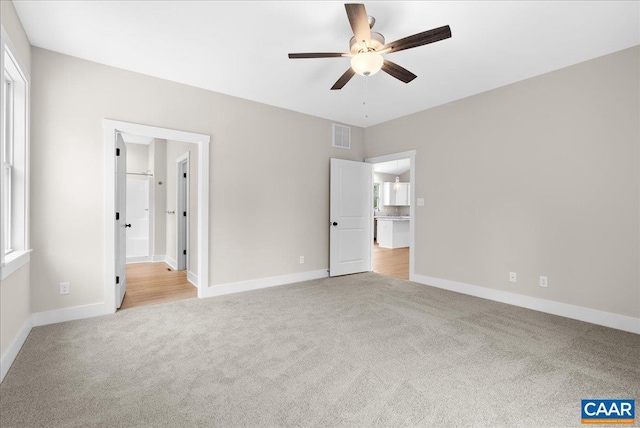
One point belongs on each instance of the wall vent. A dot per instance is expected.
(341, 136)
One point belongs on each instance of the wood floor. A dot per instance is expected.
(151, 283)
(391, 262)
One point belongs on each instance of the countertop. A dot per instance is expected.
(393, 217)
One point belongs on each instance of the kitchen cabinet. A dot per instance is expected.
(396, 198)
(393, 232)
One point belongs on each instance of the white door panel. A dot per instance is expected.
(350, 217)
(182, 225)
(350, 248)
(121, 210)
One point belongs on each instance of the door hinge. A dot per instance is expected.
(117, 216)
(117, 280)
(184, 252)
(184, 213)
(118, 152)
(185, 175)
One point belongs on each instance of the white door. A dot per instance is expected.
(351, 214)
(182, 229)
(121, 216)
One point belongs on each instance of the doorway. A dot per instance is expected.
(158, 173)
(157, 241)
(393, 224)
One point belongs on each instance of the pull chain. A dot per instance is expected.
(364, 102)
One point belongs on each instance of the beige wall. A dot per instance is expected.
(175, 149)
(138, 158)
(379, 177)
(12, 24)
(273, 211)
(15, 307)
(540, 178)
(16, 310)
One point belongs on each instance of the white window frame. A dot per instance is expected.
(17, 221)
(7, 158)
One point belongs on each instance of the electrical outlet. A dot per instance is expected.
(543, 281)
(513, 277)
(420, 202)
(301, 260)
(64, 288)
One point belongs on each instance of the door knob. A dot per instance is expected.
(334, 223)
(127, 225)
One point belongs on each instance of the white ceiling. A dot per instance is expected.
(240, 48)
(395, 167)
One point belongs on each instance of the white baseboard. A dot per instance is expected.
(159, 258)
(607, 319)
(141, 259)
(171, 262)
(237, 287)
(166, 259)
(192, 278)
(10, 355)
(68, 314)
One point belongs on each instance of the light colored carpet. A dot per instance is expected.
(361, 350)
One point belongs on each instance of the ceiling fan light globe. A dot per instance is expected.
(367, 63)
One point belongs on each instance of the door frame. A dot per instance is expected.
(410, 154)
(183, 159)
(110, 128)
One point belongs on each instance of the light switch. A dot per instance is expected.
(420, 202)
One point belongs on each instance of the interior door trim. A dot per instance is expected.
(411, 154)
(110, 127)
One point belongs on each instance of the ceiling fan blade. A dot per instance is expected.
(359, 21)
(398, 72)
(424, 38)
(343, 79)
(317, 55)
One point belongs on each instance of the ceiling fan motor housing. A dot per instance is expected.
(376, 43)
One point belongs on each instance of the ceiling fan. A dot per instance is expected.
(367, 48)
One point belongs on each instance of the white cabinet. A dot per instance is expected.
(402, 194)
(392, 197)
(389, 194)
(393, 233)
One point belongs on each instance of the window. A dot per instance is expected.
(376, 197)
(7, 159)
(14, 179)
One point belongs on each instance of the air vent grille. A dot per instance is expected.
(341, 136)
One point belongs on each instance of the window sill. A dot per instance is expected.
(14, 261)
